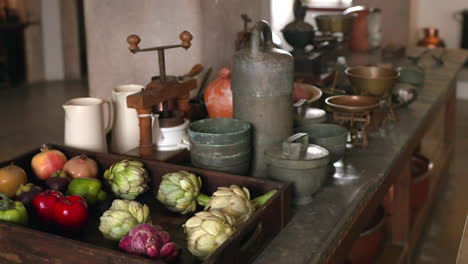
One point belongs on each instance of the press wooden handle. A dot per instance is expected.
(195, 70)
(186, 38)
(133, 40)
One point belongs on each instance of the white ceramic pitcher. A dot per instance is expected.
(84, 123)
(126, 131)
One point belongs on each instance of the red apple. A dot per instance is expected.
(47, 161)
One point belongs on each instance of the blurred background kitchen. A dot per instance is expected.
(52, 50)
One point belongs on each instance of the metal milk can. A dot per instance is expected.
(262, 87)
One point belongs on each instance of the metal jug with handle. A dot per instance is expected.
(84, 123)
(262, 87)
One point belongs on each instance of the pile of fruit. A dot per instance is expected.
(66, 189)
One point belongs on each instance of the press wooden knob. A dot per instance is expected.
(133, 40)
(186, 37)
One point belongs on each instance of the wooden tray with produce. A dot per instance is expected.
(60, 230)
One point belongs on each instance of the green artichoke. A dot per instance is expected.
(206, 231)
(178, 191)
(121, 217)
(233, 201)
(127, 179)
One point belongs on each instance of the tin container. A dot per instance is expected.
(309, 117)
(297, 161)
(262, 87)
(221, 144)
(330, 136)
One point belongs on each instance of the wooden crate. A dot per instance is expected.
(34, 244)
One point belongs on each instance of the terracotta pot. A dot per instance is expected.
(420, 170)
(431, 39)
(218, 95)
(367, 248)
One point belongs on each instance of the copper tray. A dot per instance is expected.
(352, 103)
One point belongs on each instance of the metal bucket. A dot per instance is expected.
(221, 144)
(262, 88)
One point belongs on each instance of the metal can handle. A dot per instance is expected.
(261, 28)
(295, 144)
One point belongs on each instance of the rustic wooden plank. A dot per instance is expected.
(400, 218)
(441, 164)
(392, 254)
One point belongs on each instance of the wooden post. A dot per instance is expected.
(400, 218)
(146, 137)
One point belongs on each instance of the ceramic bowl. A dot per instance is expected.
(312, 93)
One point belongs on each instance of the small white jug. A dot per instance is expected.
(126, 131)
(84, 124)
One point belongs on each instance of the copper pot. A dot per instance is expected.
(431, 39)
(372, 80)
(367, 248)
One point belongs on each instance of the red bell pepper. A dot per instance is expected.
(67, 212)
(44, 203)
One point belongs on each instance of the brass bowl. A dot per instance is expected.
(334, 23)
(313, 92)
(372, 80)
(352, 103)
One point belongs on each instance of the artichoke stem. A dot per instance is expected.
(261, 200)
(203, 199)
(101, 196)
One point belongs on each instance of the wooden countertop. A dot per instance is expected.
(463, 250)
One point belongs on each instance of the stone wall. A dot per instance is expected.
(213, 23)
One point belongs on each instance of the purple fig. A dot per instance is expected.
(26, 193)
(58, 181)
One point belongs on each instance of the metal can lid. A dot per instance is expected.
(314, 113)
(296, 152)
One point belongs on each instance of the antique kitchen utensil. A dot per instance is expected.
(375, 28)
(84, 123)
(360, 32)
(221, 144)
(299, 33)
(262, 87)
(431, 39)
(352, 103)
(306, 91)
(125, 132)
(158, 94)
(330, 136)
(354, 112)
(243, 37)
(372, 80)
(328, 24)
(404, 94)
(297, 161)
(309, 116)
(197, 105)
